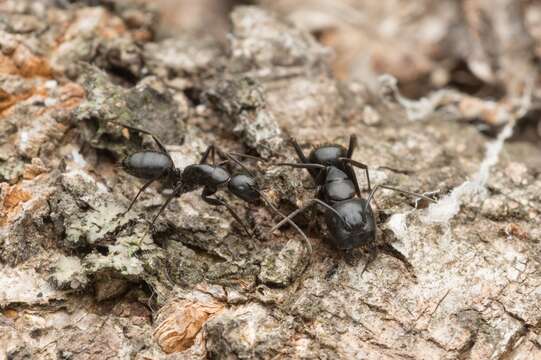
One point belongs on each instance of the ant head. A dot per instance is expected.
(356, 225)
(244, 187)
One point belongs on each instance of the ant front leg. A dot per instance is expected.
(372, 251)
(216, 201)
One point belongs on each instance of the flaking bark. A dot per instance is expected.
(80, 281)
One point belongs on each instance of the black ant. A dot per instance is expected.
(152, 165)
(348, 216)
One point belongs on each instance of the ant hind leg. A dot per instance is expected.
(147, 184)
(162, 208)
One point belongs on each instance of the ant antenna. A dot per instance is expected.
(405, 192)
(295, 226)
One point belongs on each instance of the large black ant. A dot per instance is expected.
(349, 217)
(152, 165)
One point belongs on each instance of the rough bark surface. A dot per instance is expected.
(459, 279)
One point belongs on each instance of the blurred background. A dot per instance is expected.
(487, 48)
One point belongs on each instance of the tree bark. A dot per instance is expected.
(460, 279)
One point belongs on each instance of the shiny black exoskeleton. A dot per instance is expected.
(348, 216)
(151, 165)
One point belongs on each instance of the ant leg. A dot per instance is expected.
(349, 169)
(291, 222)
(136, 196)
(216, 201)
(296, 212)
(156, 140)
(428, 193)
(302, 157)
(299, 151)
(212, 149)
(352, 145)
(225, 155)
(353, 177)
(372, 255)
(176, 193)
(162, 208)
(360, 165)
(209, 151)
(409, 193)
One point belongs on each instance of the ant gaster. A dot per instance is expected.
(348, 216)
(151, 165)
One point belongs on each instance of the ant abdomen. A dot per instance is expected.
(147, 164)
(338, 186)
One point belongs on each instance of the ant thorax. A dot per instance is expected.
(201, 175)
(338, 186)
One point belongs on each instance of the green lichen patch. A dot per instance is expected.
(68, 273)
(85, 211)
(281, 268)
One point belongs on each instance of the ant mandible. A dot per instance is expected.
(348, 216)
(152, 165)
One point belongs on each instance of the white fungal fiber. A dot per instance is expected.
(446, 208)
(397, 223)
(415, 109)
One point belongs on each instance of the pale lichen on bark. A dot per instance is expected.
(79, 280)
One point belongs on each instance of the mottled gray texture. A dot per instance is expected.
(80, 280)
